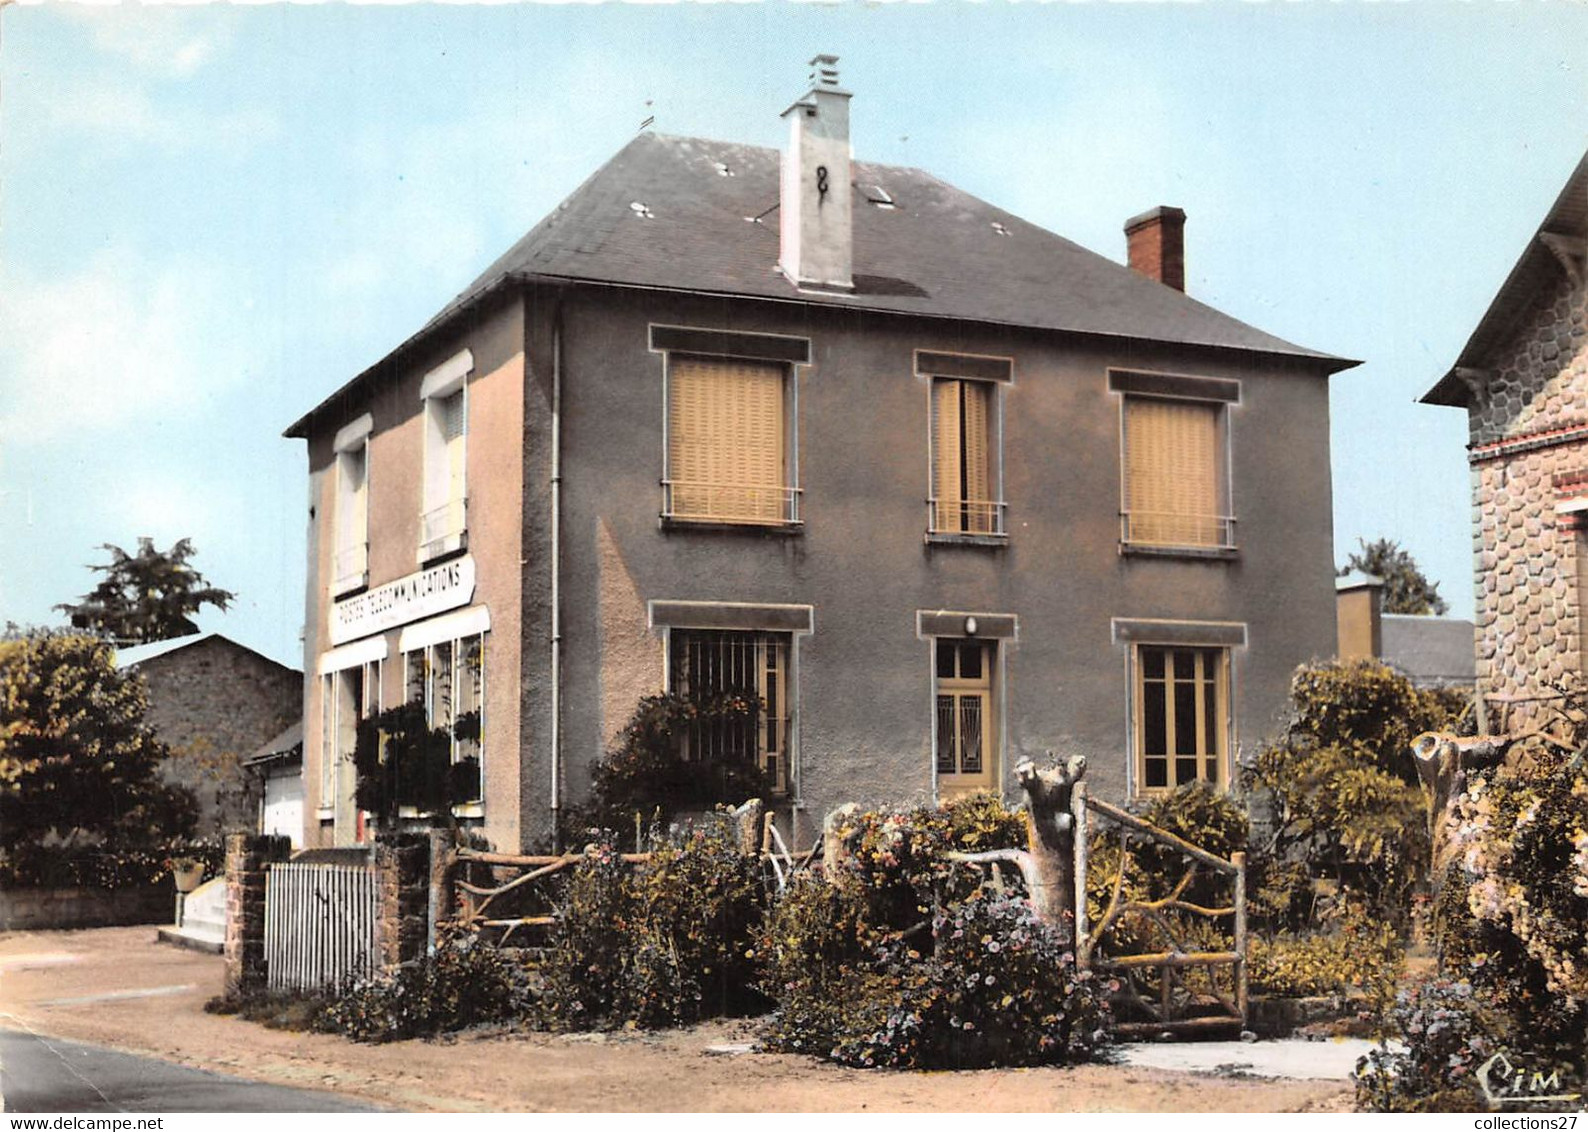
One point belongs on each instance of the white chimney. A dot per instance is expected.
(817, 238)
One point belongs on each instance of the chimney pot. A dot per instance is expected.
(1155, 242)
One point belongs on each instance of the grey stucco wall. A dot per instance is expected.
(864, 695)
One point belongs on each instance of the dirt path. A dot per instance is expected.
(118, 987)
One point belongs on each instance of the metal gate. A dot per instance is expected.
(319, 924)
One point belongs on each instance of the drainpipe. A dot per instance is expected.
(556, 578)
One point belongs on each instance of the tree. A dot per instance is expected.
(77, 760)
(146, 597)
(1406, 588)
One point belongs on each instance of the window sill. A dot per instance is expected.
(958, 538)
(345, 587)
(326, 813)
(1205, 553)
(471, 810)
(432, 552)
(723, 526)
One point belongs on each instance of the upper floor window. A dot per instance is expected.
(732, 441)
(1176, 478)
(727, 441)
(966, 496)
(350, 546)
(443, 517)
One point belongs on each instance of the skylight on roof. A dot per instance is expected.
(722, 169)
(879, 196)
(999, 228)
(640, 209)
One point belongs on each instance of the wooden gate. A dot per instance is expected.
(319, 924)
(1185, 983)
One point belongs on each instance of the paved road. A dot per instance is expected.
(39, 1074)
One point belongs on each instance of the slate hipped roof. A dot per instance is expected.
(687, 214)
(1538, 267)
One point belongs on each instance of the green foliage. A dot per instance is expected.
(1448, 1034)
(464, 983)
(667, 943)
(33, 865)
(1406, 588)
(402, 762)
(1358, 956)
(77, 760)
(904, 959)
(1342, 788)
(997, 987)
(146, 597)
(647, 773)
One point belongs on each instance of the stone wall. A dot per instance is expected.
(215, 702)
(39, 909)
(1529, 448)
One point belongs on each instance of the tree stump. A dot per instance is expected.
(1050, 833)
(1444, 762)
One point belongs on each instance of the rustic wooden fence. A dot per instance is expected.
(319, 924)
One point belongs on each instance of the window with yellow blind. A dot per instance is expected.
(1176, 474)
(965, 491)
(728, 441)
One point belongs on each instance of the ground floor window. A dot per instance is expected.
(346, 697)
(448, 678)
(1182, 715)
(753, 663)
(965, 736)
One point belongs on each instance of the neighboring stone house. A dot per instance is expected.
(214, 702)
(1432, 652)
(943, 489)
(1523, 379)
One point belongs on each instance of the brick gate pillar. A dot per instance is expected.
(248, 860)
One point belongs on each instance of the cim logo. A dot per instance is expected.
(1504, 1082)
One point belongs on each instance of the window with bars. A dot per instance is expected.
(1176, 491)
(1182, 716)
(750, 663)
(965, 489)
(728, 442)
(443, 519)
(964, 733)
(449, 679)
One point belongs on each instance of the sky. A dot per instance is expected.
(211, 216)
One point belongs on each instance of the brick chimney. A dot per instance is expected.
(817, 248)
(1156, 243)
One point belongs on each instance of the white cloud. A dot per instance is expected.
(164, 42)
(110, 345)
(125, 118)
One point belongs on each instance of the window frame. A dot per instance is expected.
(995, 374)
(788, 352)
(1220, 396)
(1223, 715)
(439, 503)
(349, 546)
(783, 642)
(990, 686)
(427, 694)
(366, 699)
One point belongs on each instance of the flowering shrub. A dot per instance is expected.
(905, 959)
(1448, 1034)
(464, 983)
(668, 943)
(995, 986)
